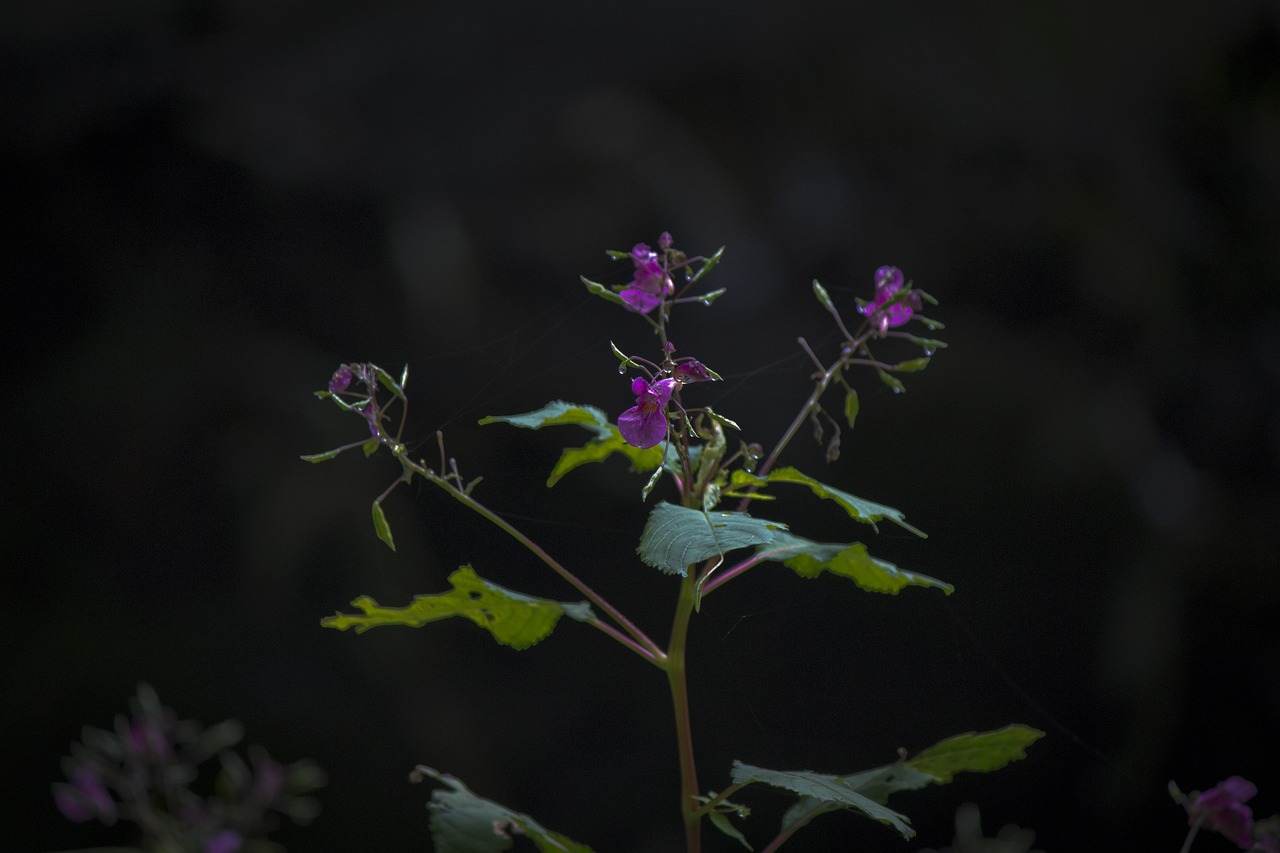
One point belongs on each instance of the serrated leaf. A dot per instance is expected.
(514, 619)
(824, 298)
(675, 537)
(597, 289)
(851, 407)
(324, 457)
(555, 413)
(975, 752)
(850, 560)
(857, 508)
(381, 527)
(824, 789)
(600, 449)
(463, 822)
(913, 365)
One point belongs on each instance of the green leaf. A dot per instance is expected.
(675, 537)
(851, 407)
(514, 620)
(892, 381)
(927, 343)
(810, 559)
(326, 456)
(721, 419)
(824, 298)
(600, 290)
(720, 821)
(932, 325)
(712, 295)
(555, 413)
(937, 765)
(622, 356)
(370, 447)
(823, 789)
(914, 365)
(975, 752)
(857, 508)
(380, 525)
(707, 265)
(387, 381)
(463, 822)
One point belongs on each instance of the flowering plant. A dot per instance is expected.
(691, 536)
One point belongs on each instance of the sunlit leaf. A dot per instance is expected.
(555, 413)
(676, 537)
(892, 381)
(857, 508)
(823, 789)
(914, 365)
(850, 560)
(381, 527)
(463, 822)
(514, 620)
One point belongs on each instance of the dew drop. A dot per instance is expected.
(928, 351)
(622, 368)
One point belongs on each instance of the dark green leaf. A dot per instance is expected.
(857, 508)
(380, 525)
(600, 290)
(851, 407)
(810, 559)
(462, 822)
(824, 789)
(675, 537)
(514, 620)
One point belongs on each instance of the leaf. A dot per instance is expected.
(370, 447)
(721, 419)
(720, 821)
(936, 765)
(555, 413)
(675, 537)
(707, 265)
(975, 752)
(914, 365)
(380, 525)
(462, 822)
(857, 508)
(712, 295)
(607, 441)
(600, 290)
(515, 620)
(810, 559)
(851, 407)
(822, 789)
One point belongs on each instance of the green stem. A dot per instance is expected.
(689, 807)
(654, 654)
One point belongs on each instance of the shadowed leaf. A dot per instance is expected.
(676, 537)
(857, 508)
(850, 560)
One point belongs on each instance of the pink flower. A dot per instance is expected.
(645, 423)
(1222, 808)
(889, 281)
(650, 284)
(85, 798)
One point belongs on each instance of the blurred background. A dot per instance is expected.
(213, 204)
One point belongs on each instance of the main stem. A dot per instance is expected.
(680, 701)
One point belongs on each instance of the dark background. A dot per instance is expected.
(214, 204)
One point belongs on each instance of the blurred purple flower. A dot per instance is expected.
(1222, 808)
(889, 280)
(645, 424)
(691, 370)
(341, 380)
(85, 798)
(227, 841)
(650, 284)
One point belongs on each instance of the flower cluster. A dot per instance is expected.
(143, 771)
(1222, 809)
(651, 283)
(884, 310)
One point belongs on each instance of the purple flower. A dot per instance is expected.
(645, 423)
(227, 841)
(85, 798)
(341, 380)
(889, 281)
(691, 370)
(650, 284)
(1222, 808)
